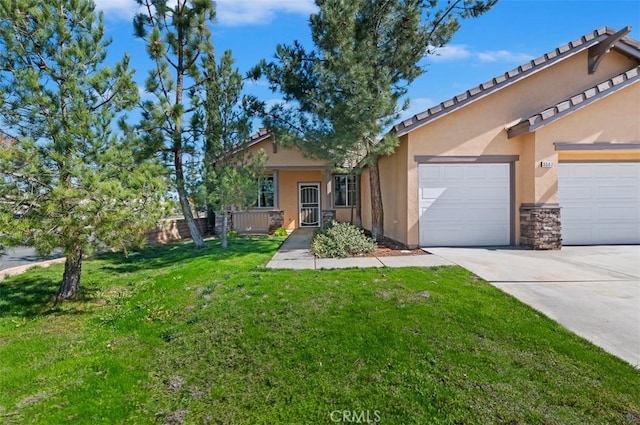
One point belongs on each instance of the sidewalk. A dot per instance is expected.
(295, 254)
(13, 271)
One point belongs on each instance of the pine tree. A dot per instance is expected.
(69, 177)
(231, 173)
(177, 38)
(342, 95)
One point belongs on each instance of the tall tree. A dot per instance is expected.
(231, 173)
(177, 38)
(342, 95)
(69, 178)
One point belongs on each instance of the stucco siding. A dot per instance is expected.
(283, 157)
(613, 119)
(288, 192)
(344, 214)
(394, 185)
(604, 156)
(480, 129)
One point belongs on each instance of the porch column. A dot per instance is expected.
(328, 184)
(540, 226)
(328, 213)
(276, 190)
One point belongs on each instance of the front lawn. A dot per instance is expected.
(178, 335)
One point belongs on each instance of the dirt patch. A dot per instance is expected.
(33, 399)
(393, 249)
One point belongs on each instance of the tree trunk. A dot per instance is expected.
(377, 212)
(225, 225)
(184, 202)
(191, 224)
(358, 222)
(71, 278)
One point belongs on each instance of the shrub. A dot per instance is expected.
(280, 231)
(339, 240)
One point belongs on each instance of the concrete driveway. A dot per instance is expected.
(22, 256)
(593, 291)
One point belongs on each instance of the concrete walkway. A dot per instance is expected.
(295, 254)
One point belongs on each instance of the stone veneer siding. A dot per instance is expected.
(217, 228)
(327, 217)
(540, 227)
(276, 220)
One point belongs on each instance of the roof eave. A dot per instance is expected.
(626, 45)
(534, 123)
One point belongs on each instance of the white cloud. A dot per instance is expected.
(228, 12)
(242, 12)
(118, 9)
(461, 51)
(449, 52)
(503, 56)
(144, 94)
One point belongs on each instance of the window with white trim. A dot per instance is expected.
(344, 191)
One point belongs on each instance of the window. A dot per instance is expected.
(265, 192)
(344, 191)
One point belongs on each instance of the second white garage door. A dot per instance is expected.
(600, 202)
(464, 204)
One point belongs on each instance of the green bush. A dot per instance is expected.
(280, 231)
(339, 240)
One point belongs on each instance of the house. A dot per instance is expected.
(296, 191)
(544, 155)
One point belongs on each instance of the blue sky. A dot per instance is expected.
(513, 32)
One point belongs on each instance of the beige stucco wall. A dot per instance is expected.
(292, 167)
(344, 214)
(288, 192)
(614, 119)
(599, 155)
(480, 129)
(394, 186)
(283, 157)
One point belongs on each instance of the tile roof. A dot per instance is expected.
(257, 137)
(575, 102)
(626, 45)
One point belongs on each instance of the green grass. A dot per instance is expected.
(178, 335)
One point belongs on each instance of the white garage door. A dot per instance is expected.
(464, 204)
(600, 203)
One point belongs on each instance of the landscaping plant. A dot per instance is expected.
(339, 240)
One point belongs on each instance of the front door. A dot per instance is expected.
(309, 196)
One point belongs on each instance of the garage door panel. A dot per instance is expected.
(578, 192)
(600, 203)
(464, 204)
(484, 193)
(613, 171)
(490, 235)
(628, 214)
(455, 215)
(616, 192)
(430, 174)
(618, 233)
(453, 174)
